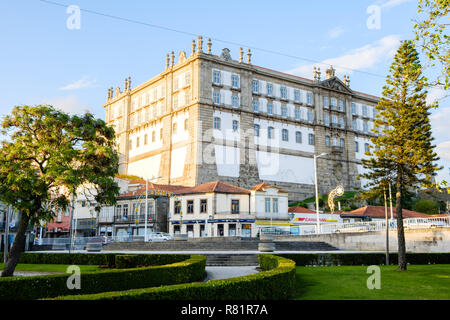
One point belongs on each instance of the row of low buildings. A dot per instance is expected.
(212, 209)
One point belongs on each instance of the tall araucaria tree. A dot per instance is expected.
(403, 151)
(49, 155)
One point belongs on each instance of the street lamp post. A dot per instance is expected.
(317, 190)
(146, 206)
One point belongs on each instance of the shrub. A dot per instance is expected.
(426, 206)
(29, 288)
(354, 259)
(276, 282)
(126, 261)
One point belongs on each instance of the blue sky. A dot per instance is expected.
(43, 61)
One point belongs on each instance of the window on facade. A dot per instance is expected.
(174, 128)
(270, 108)
(334, 119)
(187, 79)
(234, 206)
(311, 139)
(256, 128)
(177, 207)
(310, 116)
(333, 102)
(327, 141)
(190, 206)
(298, 137)
(283, 92)
(153, 136)
(326, 102)
(342, 142)
(235, 81)
(341, 122)
(297, 95)
(235, 125)
(364, 111)
(326, 119)
(203, 205)
(366, 147)
(284, 135)
(297, 113)
(217, 123)
(355, 124)
(137, 142)
(255, 105)
(270, 134)
(145, 139)
(216, 97)
(175, 84)
(275, 205)
(269, 89)
(356, 146)
(235, 101)
(309, 98)
(353, 108)
(185, 124)
(125, 211)
(130, 143)
(374, 112)
(341, 105)
(255, 86)
(267, 205)
(160, 134)
(216, 77)
(365, 127)
(284, 111)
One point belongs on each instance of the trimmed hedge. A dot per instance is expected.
(108, 259)
(276, 282)
(357, 259)
(30, 288)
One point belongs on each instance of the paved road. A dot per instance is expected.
(214, 273)
(208, 251)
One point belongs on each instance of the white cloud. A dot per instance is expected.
(335, 32)
(435, 94)
(393, 3)
(440, 120)
(360, 58)
(69, 104)
(83, 83)
(443, 150)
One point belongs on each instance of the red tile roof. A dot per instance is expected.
(262, 186)
(378, 212)
(216, 187)
(298, 209)
(152, 187)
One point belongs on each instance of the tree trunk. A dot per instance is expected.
(400, 230)
(17, 247)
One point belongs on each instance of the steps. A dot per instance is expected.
(231, 259)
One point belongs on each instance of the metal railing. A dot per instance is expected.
(409, 223)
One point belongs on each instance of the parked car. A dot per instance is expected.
(274, 231)
(159, 236)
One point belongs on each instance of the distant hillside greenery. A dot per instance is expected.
(349, 202)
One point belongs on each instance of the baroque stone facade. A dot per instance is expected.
(209, 117)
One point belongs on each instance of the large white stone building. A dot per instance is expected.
(211, 117)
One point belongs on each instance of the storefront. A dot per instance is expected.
(214, 228)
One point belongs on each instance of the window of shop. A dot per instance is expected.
(246, 230)
(220, 229)
(176, 229)
(190, 230)
(232, 230)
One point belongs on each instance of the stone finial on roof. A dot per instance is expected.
(200, 44)
(167, 61)
(330, 72)
(172, 58)
(347, 81)
(249, 56)
(193, 47)
(129, 83)
(241, 55)
(117, 92)
(209, 44)
(182, 57)
(125, 86)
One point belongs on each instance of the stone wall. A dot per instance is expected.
(417, 240)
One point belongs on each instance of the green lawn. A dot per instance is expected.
(350, 283)
(52, 267)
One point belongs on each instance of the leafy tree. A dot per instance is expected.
(426, 206)
(47, 157)
(432, 36)
(403, 152)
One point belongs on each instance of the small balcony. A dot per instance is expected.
(337, 150)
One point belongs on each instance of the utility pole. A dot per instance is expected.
(5, 253)
(387, 227)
